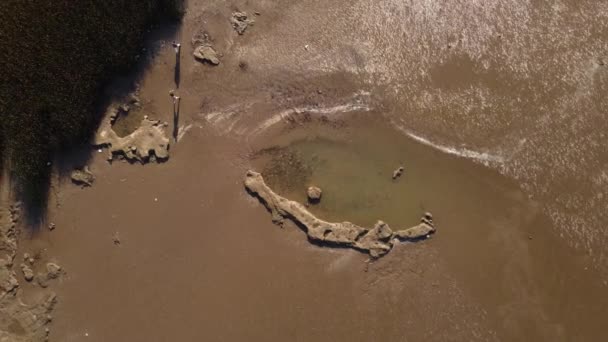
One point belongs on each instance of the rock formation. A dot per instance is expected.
(19, 322)
(82, 177)
(206, 53)
(148, 142)
(376, 241)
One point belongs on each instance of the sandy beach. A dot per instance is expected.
(499, 131)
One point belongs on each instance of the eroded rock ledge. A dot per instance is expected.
(376, 241)
(147, 143)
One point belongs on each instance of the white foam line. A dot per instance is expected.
(463, 152)
(344, 108)
(182, 131)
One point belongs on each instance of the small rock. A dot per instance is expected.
(116, 239)
(398, 172)
(240, 22)
(51, 226)
(28, 274)
(205, 53)
(53, 271)
(83, 176)
(42, 280)
(314, 194)
(427, 218)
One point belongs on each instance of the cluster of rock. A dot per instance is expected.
(376, 241)
(147, 143)
(19, 322)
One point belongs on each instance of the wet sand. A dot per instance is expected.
(200, 259)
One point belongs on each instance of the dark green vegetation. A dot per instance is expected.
(55, 59)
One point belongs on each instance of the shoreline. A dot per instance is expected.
(179, 250)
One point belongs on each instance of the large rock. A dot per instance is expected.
(376, 241)
(205, 53)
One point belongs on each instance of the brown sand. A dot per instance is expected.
(198, 259)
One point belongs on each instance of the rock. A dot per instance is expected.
(42, 280)
(149, 139)
(205, 53)
(376, 241)
(52, 225)
(53, 271)
(240, 22)
(314, 194)
(398, 172)
(116, 238)
(28, 274)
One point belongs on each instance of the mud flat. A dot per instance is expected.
(179, 251)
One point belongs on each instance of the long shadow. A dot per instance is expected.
(177, 70)
(176, 119)
(34, 195)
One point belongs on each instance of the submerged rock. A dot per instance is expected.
(240, 22)
(314, 194)
(398, 172)
(82, 177)
(376, 241)
(205, 53)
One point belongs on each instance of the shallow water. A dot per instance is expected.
(495, 240)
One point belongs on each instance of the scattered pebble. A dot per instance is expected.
(116, 239)
(398, 172)
(51, 226)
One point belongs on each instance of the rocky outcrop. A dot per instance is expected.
(376, 241)
(19, 322)
(146, 143)
(240, 22)
(83, 177)
(205, 53)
